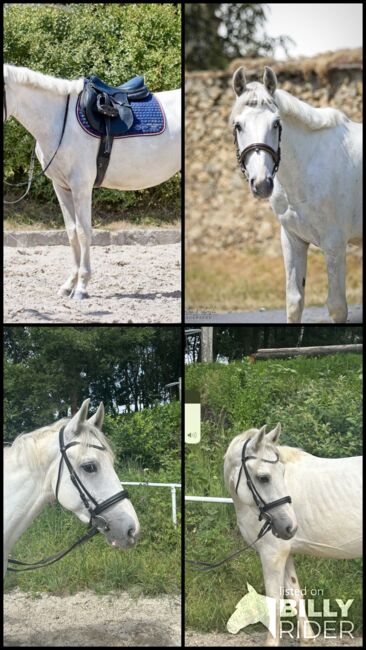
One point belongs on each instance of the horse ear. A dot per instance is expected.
(273, 435)
(98, 417)
(269, 80)
(80, 416)
(250, 588)
(239, 81)
(257, 439)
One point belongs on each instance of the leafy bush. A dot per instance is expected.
(150, 437)
(123, 40)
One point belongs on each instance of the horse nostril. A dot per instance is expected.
(131, 531)
(291, 530)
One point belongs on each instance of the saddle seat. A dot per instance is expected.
(133, 87)
(107, 108)
(109, 112)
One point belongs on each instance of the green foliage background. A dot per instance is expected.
(318, 402)
(113, 41)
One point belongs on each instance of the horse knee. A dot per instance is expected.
(72, 235)
(84, 234)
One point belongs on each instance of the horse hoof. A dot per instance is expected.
(80, 295)
(63, 292)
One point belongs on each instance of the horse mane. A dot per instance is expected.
(288, 106)
(25, 445)
(231, 457)
(34, 79)
(312, 118)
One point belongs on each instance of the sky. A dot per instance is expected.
(315, 28)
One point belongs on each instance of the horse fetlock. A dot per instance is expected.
(294, 311)
(338, 312)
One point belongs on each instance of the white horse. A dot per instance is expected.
(324, 518)
(35, 475)
(317, 191)
(38, 102)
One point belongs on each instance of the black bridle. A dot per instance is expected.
(86, 497)
(96, 523)
(263, 507)
(258, 146)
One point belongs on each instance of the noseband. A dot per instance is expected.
(258, 146)
(95, 518)
(259, 501)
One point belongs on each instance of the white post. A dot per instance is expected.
(174, 506)
(207, 344)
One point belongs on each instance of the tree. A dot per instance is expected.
(216, 33)
(50, 370)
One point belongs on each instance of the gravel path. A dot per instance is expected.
(129, 284)
(87, 619)
(255, 639)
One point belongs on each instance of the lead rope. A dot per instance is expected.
(199, 565)
(30, 566)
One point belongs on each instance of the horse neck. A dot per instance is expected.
(36, 110)
(27, 491)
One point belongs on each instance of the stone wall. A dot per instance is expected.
(220, 211)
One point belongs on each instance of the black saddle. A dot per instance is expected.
(109, 112)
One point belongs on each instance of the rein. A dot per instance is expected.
(260, 503)
(31, 166)
(96, 523)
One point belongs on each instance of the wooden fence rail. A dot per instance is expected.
(318, 351)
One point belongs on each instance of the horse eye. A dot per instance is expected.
(238, 127)
(89, 467)
(276, 124)
(263, 479)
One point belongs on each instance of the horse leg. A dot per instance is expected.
(82, 203)
(336, 268)
(67, 207)
(273, 566)
(293, 592)
(295, 253)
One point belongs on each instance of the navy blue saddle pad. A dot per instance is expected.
(148, 119)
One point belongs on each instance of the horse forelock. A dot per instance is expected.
(255, 96)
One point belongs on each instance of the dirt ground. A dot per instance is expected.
(87, 619)
(255, 639)
(129, 284)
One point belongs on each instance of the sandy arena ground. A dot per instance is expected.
(256, 639)
(87, 619)
(129, 284)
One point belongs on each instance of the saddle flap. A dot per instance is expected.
(100, 106)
